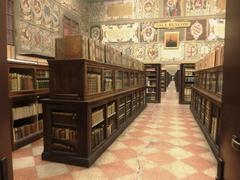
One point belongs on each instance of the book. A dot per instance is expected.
(94, 83)
(97, 117)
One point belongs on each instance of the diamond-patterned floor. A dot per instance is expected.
(163, 143)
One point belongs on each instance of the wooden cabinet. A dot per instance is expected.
(90, 104)
(153, 82)
(186, 82)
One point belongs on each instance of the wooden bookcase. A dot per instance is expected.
(186, 82)
(28, 83)
(206, 103)
(89, 106)
(206, 100)
(153, 84)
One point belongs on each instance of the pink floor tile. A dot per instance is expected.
(114, 170)
(25, 174)
(157, 174)
(125, 153)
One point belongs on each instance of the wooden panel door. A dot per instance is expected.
(230, 122)
(5, 127)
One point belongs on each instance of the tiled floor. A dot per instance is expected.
(163, 143)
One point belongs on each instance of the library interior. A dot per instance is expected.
(119, 89)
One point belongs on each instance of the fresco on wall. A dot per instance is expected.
(197, 30)
(119, 10)
(172, 8)
(120, 33)
(35, 39)
(191, 50)
(129, 50)
(38, 22)
(148, 32)
(216, 29)
(221, 6)
(139, 52)
(198, 7)
(97, 11)
(25, 10)
(148, 9)
(96, 32)
(152, 52)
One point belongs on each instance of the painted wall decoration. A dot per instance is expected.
(97, 11)
(129, 50)
(197, 30)
(191, 50)
(172, 8)
(120, 33)
(25, 9)
(199, 7)
(153, 52)
(216, 29)
(139, 52)
(119, 10)
(38, 22)
(171, 40)
(96, 32)
(35, 40)
(173, 54)
(136, 36)
(148, 9)
(148, 32)
(221, 6)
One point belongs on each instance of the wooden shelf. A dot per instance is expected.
(27, 140)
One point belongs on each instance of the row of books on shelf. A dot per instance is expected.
(150, 82)
(97, 135)
(187, 91)
(42, 74)
(108, 84)
(97, 117)
(189, 79)
(20, 82)
(214, 128)
(63, 133)
(207, 113)
(81, 46)
(151, 97)
(150, 90)
(212, 81)
(27, 130)
(40, 84)
(93, 83)
(189, 72)
(26, 111)
(213, 59)
(111, 109)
